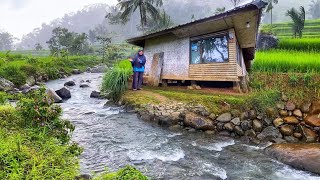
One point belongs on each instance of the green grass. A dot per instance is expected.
(115, 81)
(305, 44)
(17, 67)
(284, 61)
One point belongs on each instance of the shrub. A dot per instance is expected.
(38, 112)
(13, 74)
(8, 117)
(115, 81)
(127, 173)
(30, 70)
(24, 158)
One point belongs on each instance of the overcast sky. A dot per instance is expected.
(21, 16)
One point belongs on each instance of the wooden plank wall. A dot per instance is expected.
(218, 71)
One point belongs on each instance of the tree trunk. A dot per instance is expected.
(271, 20)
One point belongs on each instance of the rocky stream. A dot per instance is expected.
(113, 138)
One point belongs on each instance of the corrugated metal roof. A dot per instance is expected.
(257, 4)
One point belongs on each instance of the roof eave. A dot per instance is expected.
(139, 41)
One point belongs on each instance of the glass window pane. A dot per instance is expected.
(195, 53)
(210, 50)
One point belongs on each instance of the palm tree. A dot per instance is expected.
(298, 19)
(235, 2)
(270, 8)
(146, 8)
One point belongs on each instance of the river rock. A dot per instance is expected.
(70, 83)
(244, 116)
(52, 94)
(6, 85)
(291, 120)
(280, 106)
(210, 132)
(95, 94)
(278, 122)
(269, 133)
(271, 112)
(238, 130)
(212, 116)
(283, 113)
(220, 126)
(76, 71)
(297, 135)
(226, 117)
(315, 107)
(287, 130)
(290, 106)
(308, 135)
(257, 125)
(313, 120)
(246, 125)
(291, 139)
(306, 108)
(84, 85)
(229, 127)
(64, 93)
(301, 156)
(252, 114)
(236, 121)
(199, 123)
(31, 81)
(25, 87)
(297, 113)
(250, 133)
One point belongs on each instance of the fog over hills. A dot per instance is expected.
(180, 11)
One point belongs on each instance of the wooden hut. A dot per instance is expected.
(216, 48)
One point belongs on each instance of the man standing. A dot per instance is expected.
(138, 64)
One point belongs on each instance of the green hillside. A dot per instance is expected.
(283, 30)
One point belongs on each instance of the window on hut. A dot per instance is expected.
(213, 49)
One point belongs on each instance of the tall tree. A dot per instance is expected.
(163, 23)
(38, 47)
(298, 19)
(270, 8)
(6, 41)
(315, 9)
(235, 2)
(146, 8)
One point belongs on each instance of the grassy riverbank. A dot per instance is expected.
(35, 142)
(17, 67)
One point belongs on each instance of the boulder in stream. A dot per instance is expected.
(64, 93)
(301, 156)
(95, 94)
(84, 85)
(52, 94)
(70, 83)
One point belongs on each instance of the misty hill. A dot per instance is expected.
(181, 11)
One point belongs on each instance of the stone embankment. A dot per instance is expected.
(289, 123)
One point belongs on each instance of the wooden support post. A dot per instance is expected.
(236, 87)
(244, 84)
(164, 83)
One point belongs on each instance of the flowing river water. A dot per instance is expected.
(112, 138)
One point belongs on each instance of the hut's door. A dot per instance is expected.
(156, 69)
